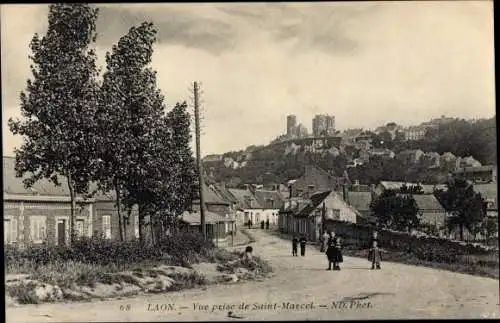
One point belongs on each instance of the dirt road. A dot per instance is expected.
(300, 289)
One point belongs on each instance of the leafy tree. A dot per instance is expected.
(180, 171)
(412, 189)
(135, 107)
(60, 102)
(396, 209)
(467, 208)
(490, 226)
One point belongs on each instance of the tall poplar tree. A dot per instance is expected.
(59, 103)
(130, 110)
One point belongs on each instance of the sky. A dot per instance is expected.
(366, 63)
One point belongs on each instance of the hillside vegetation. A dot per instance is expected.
(278, 163)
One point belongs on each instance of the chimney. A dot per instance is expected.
(372, 191)
(345, 191)
(310, 191)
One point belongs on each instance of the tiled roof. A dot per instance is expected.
(428, 202)
(428, 189)
(360, 200)
(224, 193)
(264, 195)
(488, 192)
(243, 197)
(211, 197)
(13, 187)
(315, 200)
(485, 168)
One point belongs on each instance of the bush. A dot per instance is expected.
(23, 292)
(183, 249)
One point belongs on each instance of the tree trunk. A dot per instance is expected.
(117, 190)
(141, 225)
(152, 226)
(145, 234)
(72, 222)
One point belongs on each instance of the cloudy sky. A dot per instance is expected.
(366, 63)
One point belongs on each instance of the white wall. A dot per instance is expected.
(258, 215)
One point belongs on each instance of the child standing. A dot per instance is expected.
(375, 255)
(295, 243)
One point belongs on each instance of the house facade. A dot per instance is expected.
(482, 174)
(248, 204)
(216, 226)
(431, 212)
(41, 214)
(489, 192)
(271, 202)
(314, 215)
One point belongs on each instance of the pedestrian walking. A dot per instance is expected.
(375, 255)
(303, 242)
(295, 243)
(324, 242)
(249, 223)
(267, 224)
(262, 224)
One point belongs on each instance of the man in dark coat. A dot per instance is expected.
(267, 224)
(295, 242)
(262, 223)
(303, 242)
(330, 252)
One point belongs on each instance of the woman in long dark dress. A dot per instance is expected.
(330, 253)
(338, 259)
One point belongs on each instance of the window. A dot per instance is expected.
(106, 226)
(9, 230)
(37, 228)
(80, 228)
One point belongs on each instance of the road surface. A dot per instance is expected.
(300, 289)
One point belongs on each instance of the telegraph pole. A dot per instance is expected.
(198, 159)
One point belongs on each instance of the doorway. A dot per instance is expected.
(61, 232)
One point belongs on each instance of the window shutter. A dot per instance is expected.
(13, 230)
(33, 229)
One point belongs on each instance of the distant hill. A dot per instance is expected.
(281, 161)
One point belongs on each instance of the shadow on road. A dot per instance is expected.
(365, 296)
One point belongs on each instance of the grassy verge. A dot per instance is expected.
(485, 265)
(90, 269)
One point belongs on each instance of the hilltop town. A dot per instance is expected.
(427, 152)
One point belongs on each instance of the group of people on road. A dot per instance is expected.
(263, 224)
(296, 241)
(332, 247)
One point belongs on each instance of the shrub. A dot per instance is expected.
(23, 292)
(183, 249)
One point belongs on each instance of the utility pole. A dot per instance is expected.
(198, 159)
